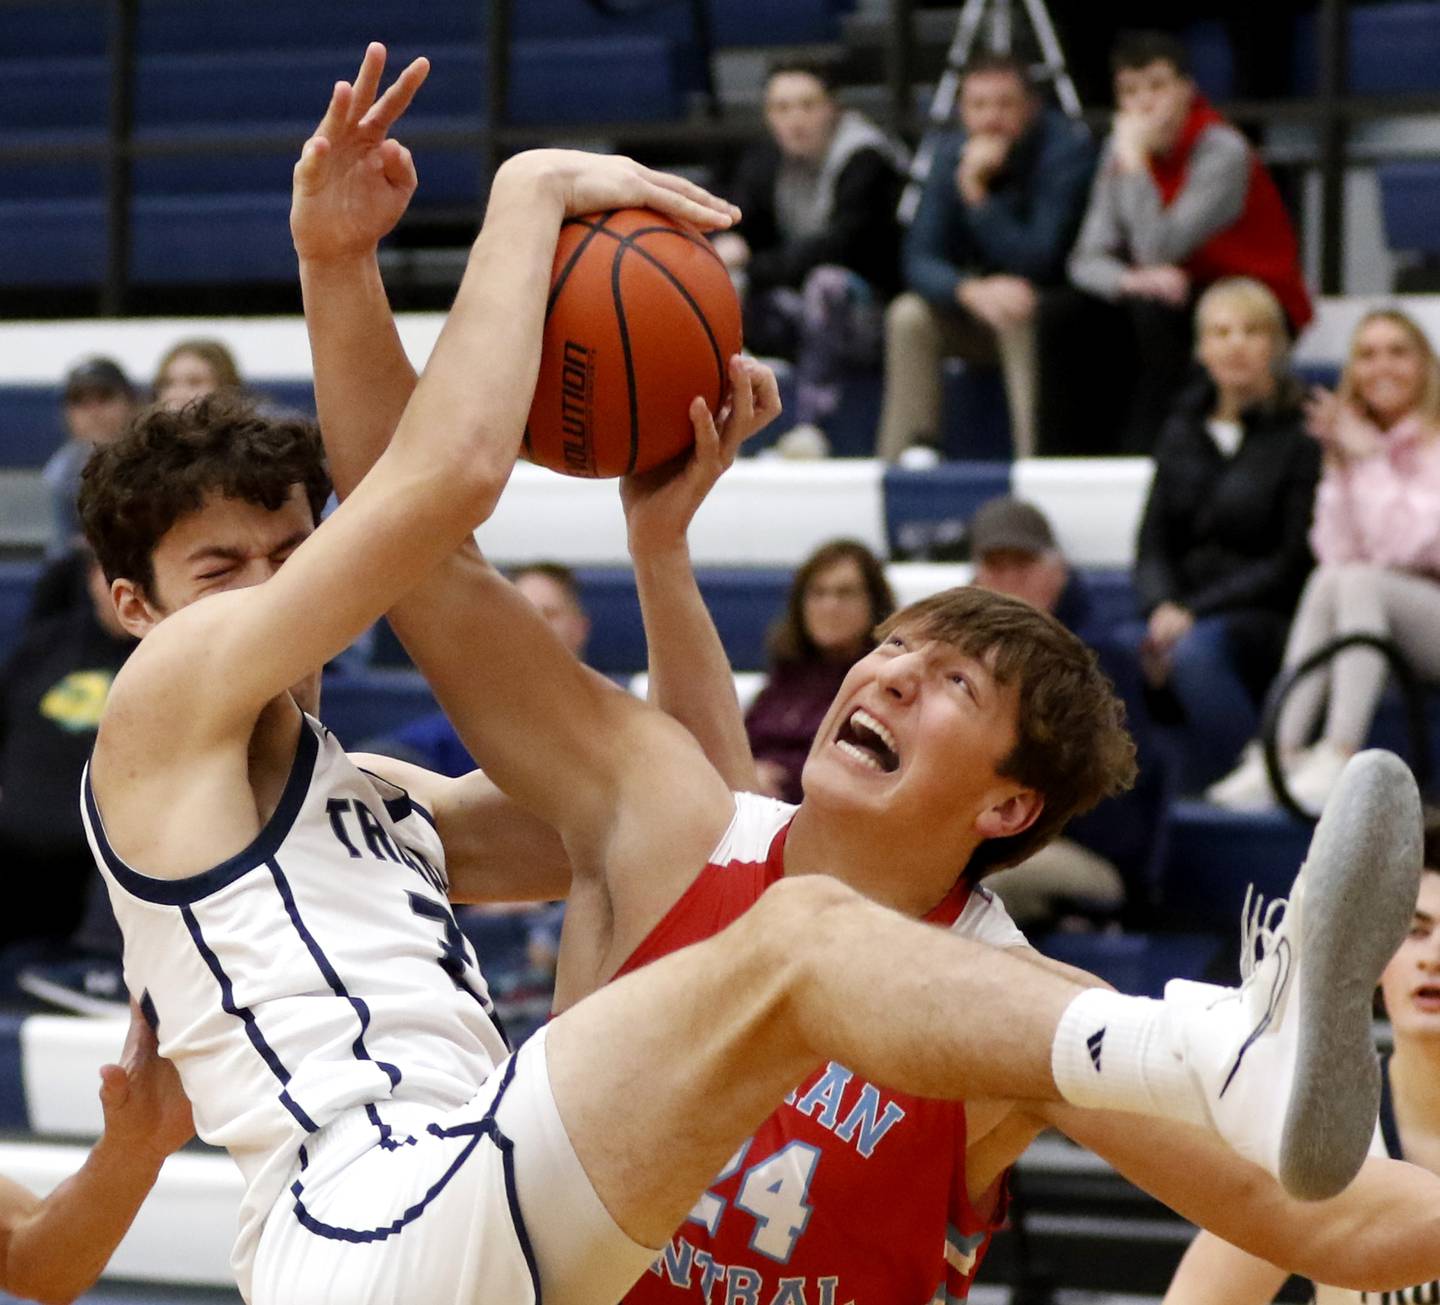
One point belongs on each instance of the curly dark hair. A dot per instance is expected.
(1071, 744)
(164, 467)
(788, 642)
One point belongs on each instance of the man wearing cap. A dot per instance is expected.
(1014, 552)
(98, 404)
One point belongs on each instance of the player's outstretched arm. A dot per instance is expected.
(53, 1249)
(1213, 1272)
(690, 675)
(440, 474)
(1380, 1234)
(352, 184)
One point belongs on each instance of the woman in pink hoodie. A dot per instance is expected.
(1376, 538)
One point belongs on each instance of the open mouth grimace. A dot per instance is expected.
(867, 740)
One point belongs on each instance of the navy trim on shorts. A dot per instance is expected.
(486, 1126)
(337, 985)
(183, 892)
(247, 1017)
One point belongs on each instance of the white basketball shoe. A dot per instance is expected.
(1287, 1061)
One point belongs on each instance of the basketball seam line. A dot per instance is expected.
(681, 290)
(625, 349)
(627, 242)
(593, 229)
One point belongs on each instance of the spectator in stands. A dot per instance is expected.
(1222, 553)
(431, 741)
(98, 404)
(999, 212)
(193, 368)
(1376, 537)
(52, 691)
(838, 596)
(817, 253)
(1180, 201)
(1015, 553)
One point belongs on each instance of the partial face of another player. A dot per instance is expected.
(226, 544)
(1388, 370)
(996, 103)
(562, 614)
(836, 609)
(187, 376)
(1237, 347)
(917, 731)
(801, 115)
(1160, 94)
(1411, 982)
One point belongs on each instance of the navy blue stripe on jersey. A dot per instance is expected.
(1389, 1130)
(247, 1017)
(147, 1009)
(182, 892)
(417, 809)
(337, 986)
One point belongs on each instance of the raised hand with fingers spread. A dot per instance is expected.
(353, 181)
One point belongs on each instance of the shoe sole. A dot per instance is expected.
(1362, 876)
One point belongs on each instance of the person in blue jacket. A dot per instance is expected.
(1001, 206)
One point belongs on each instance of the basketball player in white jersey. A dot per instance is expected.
(53, 1248)
(286, 913)
(1213, 1273)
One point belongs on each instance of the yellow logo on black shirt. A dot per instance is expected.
(76, 702)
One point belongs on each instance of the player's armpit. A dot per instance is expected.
(1380, 1234)
(996, 1135)
(495, 850)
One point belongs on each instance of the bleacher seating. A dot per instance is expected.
(1391, 48)
(1410, 205)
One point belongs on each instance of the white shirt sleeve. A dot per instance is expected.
(985, 920)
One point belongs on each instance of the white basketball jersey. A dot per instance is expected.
(1385, 1143)
(318, 970)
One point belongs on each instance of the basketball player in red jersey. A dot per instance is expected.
(661, 1074)
(53, 1248)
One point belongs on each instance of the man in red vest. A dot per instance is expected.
(1180, 200)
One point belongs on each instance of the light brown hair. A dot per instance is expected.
(212, 353)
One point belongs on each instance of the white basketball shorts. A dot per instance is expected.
(399, 1204)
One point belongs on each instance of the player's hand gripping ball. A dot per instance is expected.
(642, 317)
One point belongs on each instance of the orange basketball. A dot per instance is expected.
(642, 317)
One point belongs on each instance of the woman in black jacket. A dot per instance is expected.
(1222, 554)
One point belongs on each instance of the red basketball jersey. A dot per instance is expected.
(849, 1192)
